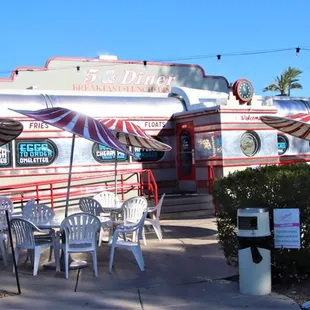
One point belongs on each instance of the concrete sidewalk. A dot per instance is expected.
(184, 271)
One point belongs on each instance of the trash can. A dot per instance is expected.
(254, 251)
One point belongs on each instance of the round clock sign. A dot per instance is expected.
(243, 90)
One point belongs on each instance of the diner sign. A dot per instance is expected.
(5, 155)
(102, 153)
(142, 154)
(286, 228)
(35, 152)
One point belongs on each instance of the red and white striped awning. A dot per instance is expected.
(128, 133)
(78, 124)
(9, 130)
(297, 125)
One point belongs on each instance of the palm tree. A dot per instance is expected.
(288, 80)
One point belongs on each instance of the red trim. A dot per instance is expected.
(87, 60)
(198, 113)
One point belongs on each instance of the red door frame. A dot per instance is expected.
(190, 153)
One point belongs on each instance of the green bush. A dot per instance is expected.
(268, 187)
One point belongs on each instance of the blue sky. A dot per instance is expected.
(35, 30)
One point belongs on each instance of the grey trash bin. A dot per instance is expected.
(254, 251)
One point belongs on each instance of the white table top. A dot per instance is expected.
(56, 221)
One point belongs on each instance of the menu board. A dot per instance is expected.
(286, 228)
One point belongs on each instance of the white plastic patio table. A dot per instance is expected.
(56, 222)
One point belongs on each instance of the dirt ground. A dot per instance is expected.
(300, 293)
(5, 294)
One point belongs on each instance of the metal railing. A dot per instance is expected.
(53, 191)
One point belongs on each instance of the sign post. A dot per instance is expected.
(286, 228)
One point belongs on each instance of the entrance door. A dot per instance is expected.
(186, 156)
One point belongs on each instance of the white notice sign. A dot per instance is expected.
(286, 228)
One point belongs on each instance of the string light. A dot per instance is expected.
(218, 57)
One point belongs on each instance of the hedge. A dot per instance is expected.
(268, 187)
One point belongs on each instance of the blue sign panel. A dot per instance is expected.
(282, 144)
(142, 155)
(103, 154)
(35, 152)
(5, 155)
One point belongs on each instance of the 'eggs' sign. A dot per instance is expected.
(35, 153)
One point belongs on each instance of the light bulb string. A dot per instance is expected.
(145, 63)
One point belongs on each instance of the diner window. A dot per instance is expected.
(283, 144)
(5, 155)
(36, 152)
(250, 143)
(102, 154)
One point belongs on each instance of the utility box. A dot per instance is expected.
(254, 251)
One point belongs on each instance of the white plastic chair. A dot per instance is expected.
(29, 203)
(92, 206)
(80, 231)
(40, 213)
(23, 230)
(108, 201)
(155, 222)
(133, 209)
(5, 204)
(132, 245)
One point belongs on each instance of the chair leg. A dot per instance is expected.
(158, 232)
(30, 254)
(66, 264)
(51, 253)
(143, 236)
(136, 251)
(111, 257)
(95, 266)
(4, 252)
(37, 254)
(57, 257)
(100, 236)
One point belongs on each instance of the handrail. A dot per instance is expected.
(51, 190)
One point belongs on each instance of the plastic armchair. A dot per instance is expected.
(133, 209)
(155, 222)
(24, 230)
(80, 232)
(40, 213)
(92, 206)
(133, 245)
(108, 201)
(29, 203)
(5, 204)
